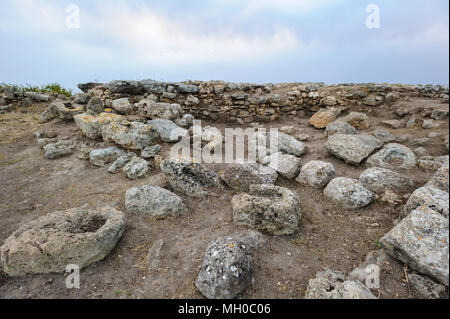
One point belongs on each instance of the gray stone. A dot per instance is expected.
(380, 179)
(441, 177)
(385, 136)
(427, 287)
(136, 168)
(151, 109)
(50, 243)
(239, 176)
(152, 86)
(150, 151)
(190, 178)
(316, 174)
(91, 125)
(429, 124)
(439, 114)
(420, 240)
(57, 150)
(154, 201)
(185, 121)
(268, 208)
(340, 127)
(285, 164)
(393, 155)
(420, 151)
(349, 193)
(129, 87)
(290, 145)
(85, 87)
(357, 120)
(103, 156)
(186, 88)
(392, 123)
(353, 149)
(430, 196)
(122, 105)
(168, 131)
(334, 285)
(227, 268)
(39, 97)
(121, 162)
(131, 135)
(81, 98)
(95, 105)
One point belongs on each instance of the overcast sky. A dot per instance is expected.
(243, 41)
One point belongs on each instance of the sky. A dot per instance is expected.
(257, 41)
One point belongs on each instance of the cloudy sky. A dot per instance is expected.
(235, 40)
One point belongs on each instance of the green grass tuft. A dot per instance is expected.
(53, 88)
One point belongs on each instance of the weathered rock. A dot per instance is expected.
(239, 176)
(190, 178)
(136, 168)
(339, 127)
(65, 110)
(441, 178)
(152, 86)
(81, 98)
(155, 254)
(358, 120)
(324, 117)
(129, 87)
(168, 130)
(348, 193)
(393, 155)
(334, 285)
(392, 123)
(385, 136)
(186, 88)
(380, 179)
(122, 105)
(150, 151)
(57, 150)
(353, 149)
(316, 174)
(151, 109)
(91, 125)
(439, 114)
(39, 97)
(153, 201)
(430, 196)
(95, 105)
(185, 121)
(285, 164)
(427, 287)
(131, 135)
(227, 268)
(420, 240)
(85, 87)
(121, 162)
(268, 208)
(48, 244)
(103, 156)
(429, 124)
(290, 145)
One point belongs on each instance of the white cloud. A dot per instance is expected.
(286, 6)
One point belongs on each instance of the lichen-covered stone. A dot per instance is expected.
(392, 153)
(381, 179)
(353, 149)
(131, 135)
(348, 193)
(239, 176)
(316, 174)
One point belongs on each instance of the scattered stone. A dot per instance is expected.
(385, 136)
(91, 125)
(39, 97)
(103, 156)
(81, 98)
(339, 127)
(439, 114)
(130, 135)
(427, 287)
(85, 87)
(353, 149)
(268, 208)
(380, 179)
(420, 151)
(57, 150)
(429, 124)
(285, 164)
(441, 177)
(316, 174)
(420, 240)
(290, 145)
(227, 268)
(155, 254)
(402, 112)
(150, 151)
(151, 109)
(420, 142)
(190, 178)
(95, 105)
(324, 117)
(358, 120)
(334, 285)
(393, 155)
(185, 121)
(348, 193)
(154, 201)
(50, 243)
(429, 196)
(392, 123)
(168, 130)
(136, 168)
(122, 105)
(121, 162)
(239, 176)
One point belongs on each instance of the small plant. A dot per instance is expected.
(377, 242)
(54, 88)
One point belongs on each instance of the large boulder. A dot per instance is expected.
(103, 156)
(153, 201)
(393, 155)
(131, 135)
(227, 268)
(268, 208)
(190, 178)
(85, 87)
(353, 149)
(48, 244)
(91, 125)
(168, 131)
(380, 179)
(129, 87)
(285, 164)
(334, 285)
(348, 193)
(316, 174)
(239, 176)
(429, 196)
(420, 240)
(151, 109)
(153, 87)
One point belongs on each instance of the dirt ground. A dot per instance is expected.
(32, 186)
